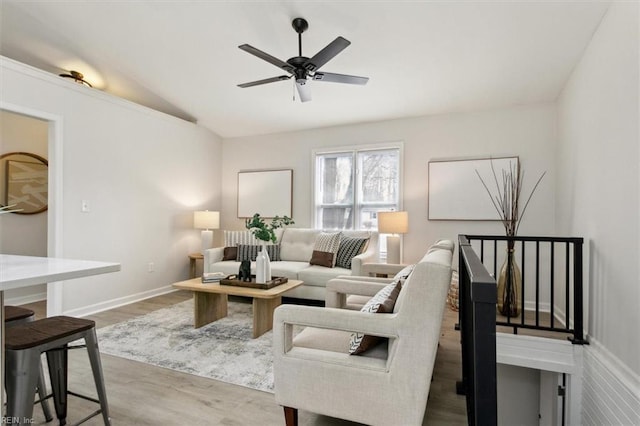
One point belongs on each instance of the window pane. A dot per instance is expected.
(379, 171)
(335, 178)
(336, 218)
(345, 199)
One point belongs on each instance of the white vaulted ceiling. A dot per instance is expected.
(182, 57)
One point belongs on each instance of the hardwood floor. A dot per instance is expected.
(141, 394)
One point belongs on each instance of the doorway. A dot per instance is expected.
(40, 133)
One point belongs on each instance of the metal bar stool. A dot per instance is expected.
(15, 315)
(23, 346)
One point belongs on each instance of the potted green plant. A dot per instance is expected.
(266, 231)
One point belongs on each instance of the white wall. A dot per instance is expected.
(23, 234)
(517, 388)
(527, 131)
(142, 172)
(598, 197)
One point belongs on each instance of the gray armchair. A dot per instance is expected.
(386, 385)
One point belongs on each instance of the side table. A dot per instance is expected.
(383, 270)
(192, 263)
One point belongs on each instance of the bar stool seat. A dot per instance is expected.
(23, 346)
(15, 315)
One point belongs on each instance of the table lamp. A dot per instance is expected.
(393, 223)
(206, 220)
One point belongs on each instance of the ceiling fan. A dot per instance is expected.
(303, 68)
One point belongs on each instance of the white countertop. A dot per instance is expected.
(25, 271)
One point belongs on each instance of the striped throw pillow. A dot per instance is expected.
(349, 248)
(233, 238)
(250, 252)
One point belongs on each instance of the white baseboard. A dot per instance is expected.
(611, 391)
(114, 303)
(23, 300)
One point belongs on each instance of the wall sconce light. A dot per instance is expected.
(393, 223)
(77, 77)
(206, 221)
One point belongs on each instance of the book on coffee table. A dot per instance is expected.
(212, 277)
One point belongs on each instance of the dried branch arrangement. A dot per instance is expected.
(506, 198)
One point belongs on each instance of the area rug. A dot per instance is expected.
(222, 350)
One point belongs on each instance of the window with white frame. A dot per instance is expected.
(352, 186)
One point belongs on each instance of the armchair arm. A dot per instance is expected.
(369, 256)
(339, 288)
(212, 256)
(286, 316)
(384, 325)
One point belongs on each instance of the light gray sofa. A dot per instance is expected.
(296, 248)
(386, 385)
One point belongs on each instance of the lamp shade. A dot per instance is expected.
(206, 220)
(393, 222)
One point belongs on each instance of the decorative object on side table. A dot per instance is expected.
(206, 220)
(506, 201)
(393, 223)
(265, 232)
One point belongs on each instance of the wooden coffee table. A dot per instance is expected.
(210, 302)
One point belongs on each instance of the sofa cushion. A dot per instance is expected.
(349, 248)
(228, 267)
(288, 269)
(382, 302)
(297, 244)
(319, 275)
(246, 252)
(325, 249)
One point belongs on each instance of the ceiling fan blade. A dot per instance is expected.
(266, 57)
(340, 78)
(265, 81)
(304, 92)
(326, 54)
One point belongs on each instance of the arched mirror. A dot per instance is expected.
(24, 182)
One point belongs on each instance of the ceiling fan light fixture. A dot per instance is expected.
(78, 77)
(301, 67)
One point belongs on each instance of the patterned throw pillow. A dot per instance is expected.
(325, 249)
(234, 238)
(246, 252)
(349, 248)
(404, 273)
(382, 303)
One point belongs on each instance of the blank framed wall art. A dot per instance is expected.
(456, 192)
(267, 192)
